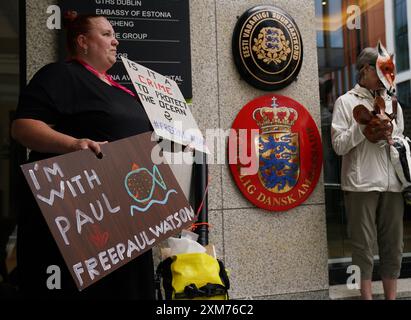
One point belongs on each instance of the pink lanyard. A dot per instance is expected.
(108, 77)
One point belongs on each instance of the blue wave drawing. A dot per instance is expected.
(152, 202)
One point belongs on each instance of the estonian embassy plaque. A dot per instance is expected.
(267, 48)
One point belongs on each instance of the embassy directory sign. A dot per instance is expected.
(154, 33)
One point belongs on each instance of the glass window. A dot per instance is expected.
(404, 94)
(401, 35)
(404, 97)
(335, 22)
(319, 22)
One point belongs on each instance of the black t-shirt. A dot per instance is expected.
(77, 103)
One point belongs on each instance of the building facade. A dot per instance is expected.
(270, 255)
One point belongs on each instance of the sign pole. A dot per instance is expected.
(201, 198)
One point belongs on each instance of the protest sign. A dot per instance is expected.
(105, 212)
(165, 106)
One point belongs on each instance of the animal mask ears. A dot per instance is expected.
(385, 67)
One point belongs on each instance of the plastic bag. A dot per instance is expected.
(196, 276)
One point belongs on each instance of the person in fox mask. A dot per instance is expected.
(366, 122)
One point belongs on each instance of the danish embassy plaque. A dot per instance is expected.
(282, 138)
(154, 33)
(267, 48)
(103, 213)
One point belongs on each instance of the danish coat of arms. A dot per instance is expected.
(278, 147)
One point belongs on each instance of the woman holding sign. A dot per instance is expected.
(66, 107)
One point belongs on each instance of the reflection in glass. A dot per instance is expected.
(319, 22)
(335, 18)
(401, 35)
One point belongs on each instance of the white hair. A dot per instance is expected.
(367, 56)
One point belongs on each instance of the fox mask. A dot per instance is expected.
(386, 68)
(379, 123)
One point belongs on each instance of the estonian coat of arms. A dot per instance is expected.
(271, 45)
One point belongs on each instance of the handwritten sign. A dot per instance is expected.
(105, 212)
(165, 106)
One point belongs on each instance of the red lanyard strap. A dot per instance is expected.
(107, 76)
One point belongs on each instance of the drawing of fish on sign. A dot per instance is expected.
(143, 185)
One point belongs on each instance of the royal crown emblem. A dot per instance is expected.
(276, 118)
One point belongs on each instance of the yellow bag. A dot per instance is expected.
(195, 276)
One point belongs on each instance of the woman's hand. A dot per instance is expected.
(82, 144)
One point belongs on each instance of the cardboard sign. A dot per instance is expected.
(166, 108)
(105, 212)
